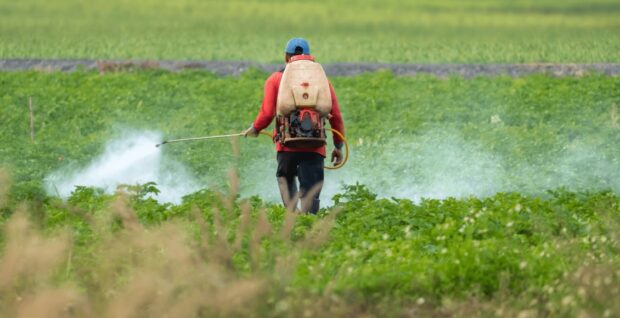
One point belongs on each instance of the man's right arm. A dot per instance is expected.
(268, 107)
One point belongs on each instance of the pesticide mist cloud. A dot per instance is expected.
(580, 166)
(132, 159)
(438, 163)
(441, 163)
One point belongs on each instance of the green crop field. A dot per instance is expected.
(526, 134)
(490, 196)
(477, 197)
(445, 31)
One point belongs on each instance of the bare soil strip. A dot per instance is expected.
(335, 69)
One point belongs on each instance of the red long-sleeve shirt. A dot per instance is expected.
(268, 112)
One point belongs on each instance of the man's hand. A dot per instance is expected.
(336, 156)
(250, 132)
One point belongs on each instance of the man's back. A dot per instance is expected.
(303, 123)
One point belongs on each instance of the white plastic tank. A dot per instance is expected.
(304, 85)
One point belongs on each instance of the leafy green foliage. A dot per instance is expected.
(395, 250)
(454, 247)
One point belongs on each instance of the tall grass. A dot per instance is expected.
(178, 268)
(234, 258)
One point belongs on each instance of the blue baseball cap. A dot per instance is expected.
(294, 43)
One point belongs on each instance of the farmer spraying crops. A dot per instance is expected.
(301, 99)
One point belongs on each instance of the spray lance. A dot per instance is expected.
(197, 138)
(338, 166)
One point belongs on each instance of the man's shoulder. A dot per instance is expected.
(274, 78)
(276, 75)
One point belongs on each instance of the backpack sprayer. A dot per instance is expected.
(338, 166)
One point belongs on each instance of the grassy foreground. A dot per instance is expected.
(445, 31)
(213, 256)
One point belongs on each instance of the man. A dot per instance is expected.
(303, 163)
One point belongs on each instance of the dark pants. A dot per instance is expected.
(308, 168)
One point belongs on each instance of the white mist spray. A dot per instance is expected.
(437, 164)
(132, 159)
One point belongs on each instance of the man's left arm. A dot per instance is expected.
(336, 123)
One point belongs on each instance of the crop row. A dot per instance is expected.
(372, 31)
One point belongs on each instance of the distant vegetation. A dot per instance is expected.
(445, 31)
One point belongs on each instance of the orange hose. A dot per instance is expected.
(346, 153)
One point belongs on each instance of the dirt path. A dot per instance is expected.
(335, 69)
